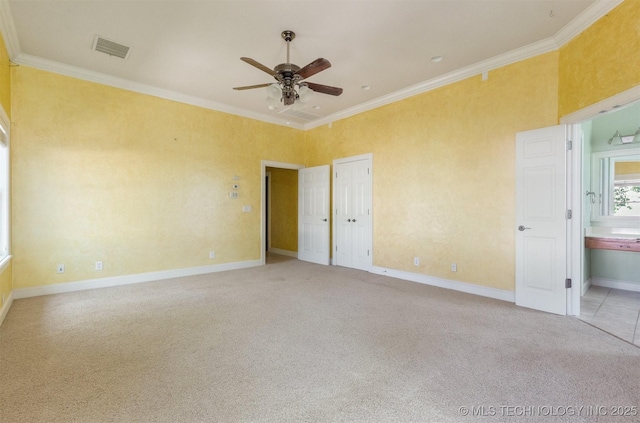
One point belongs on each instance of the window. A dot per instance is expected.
(627, 195)
(616, 182)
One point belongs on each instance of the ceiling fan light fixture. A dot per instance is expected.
(274, 91)
(304, 93)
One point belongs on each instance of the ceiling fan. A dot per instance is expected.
(290, 85)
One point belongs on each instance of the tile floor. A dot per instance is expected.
(613, 310)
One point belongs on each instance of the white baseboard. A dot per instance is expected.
(5, 307)
(282, 252)
(484, 291)
(616, 284)
(585, 286)
(129, 279)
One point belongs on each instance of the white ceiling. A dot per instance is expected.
(190, 50)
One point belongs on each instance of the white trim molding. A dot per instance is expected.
(605, 106)
(615, 284)
(584, 20)
(6, 305)
(496, 62)
(8, 29)
(590, 15)
(125, 84)
(60, 288)
(469, 288)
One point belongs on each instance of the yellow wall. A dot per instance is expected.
(5, 102)
(443, 170)
(284, 209)
(602, 61)
(138, 182)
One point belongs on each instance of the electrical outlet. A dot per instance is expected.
(212, 254)
(60, 268)
(454, 267)
(233, 195)
(98, 265)
(416, 261)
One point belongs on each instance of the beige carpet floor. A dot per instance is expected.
(297, 342)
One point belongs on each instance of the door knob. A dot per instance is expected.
(353, 220)
(522, 228)
(348, 220)
(324, 220)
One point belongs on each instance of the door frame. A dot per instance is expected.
(264, 164)
(575, 187)
(367, 156)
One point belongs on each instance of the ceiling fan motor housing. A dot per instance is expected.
(285, 73)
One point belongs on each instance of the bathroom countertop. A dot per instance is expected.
(613, 233)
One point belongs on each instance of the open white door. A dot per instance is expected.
(541, 213)
(313, 214)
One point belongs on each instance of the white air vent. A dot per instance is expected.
(299, 114)
(111, 48)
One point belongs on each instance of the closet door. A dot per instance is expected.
(352, 206)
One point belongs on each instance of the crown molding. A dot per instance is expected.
(496, 62)
(101, 78)
(584, 20)
(8, 30)
(589, 16)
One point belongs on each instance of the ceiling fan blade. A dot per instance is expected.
(249, 87)
(314, 67)
(324, 89)
(258, 65)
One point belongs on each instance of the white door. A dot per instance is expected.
(313, 214)
(541, 225)
(353, 213)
